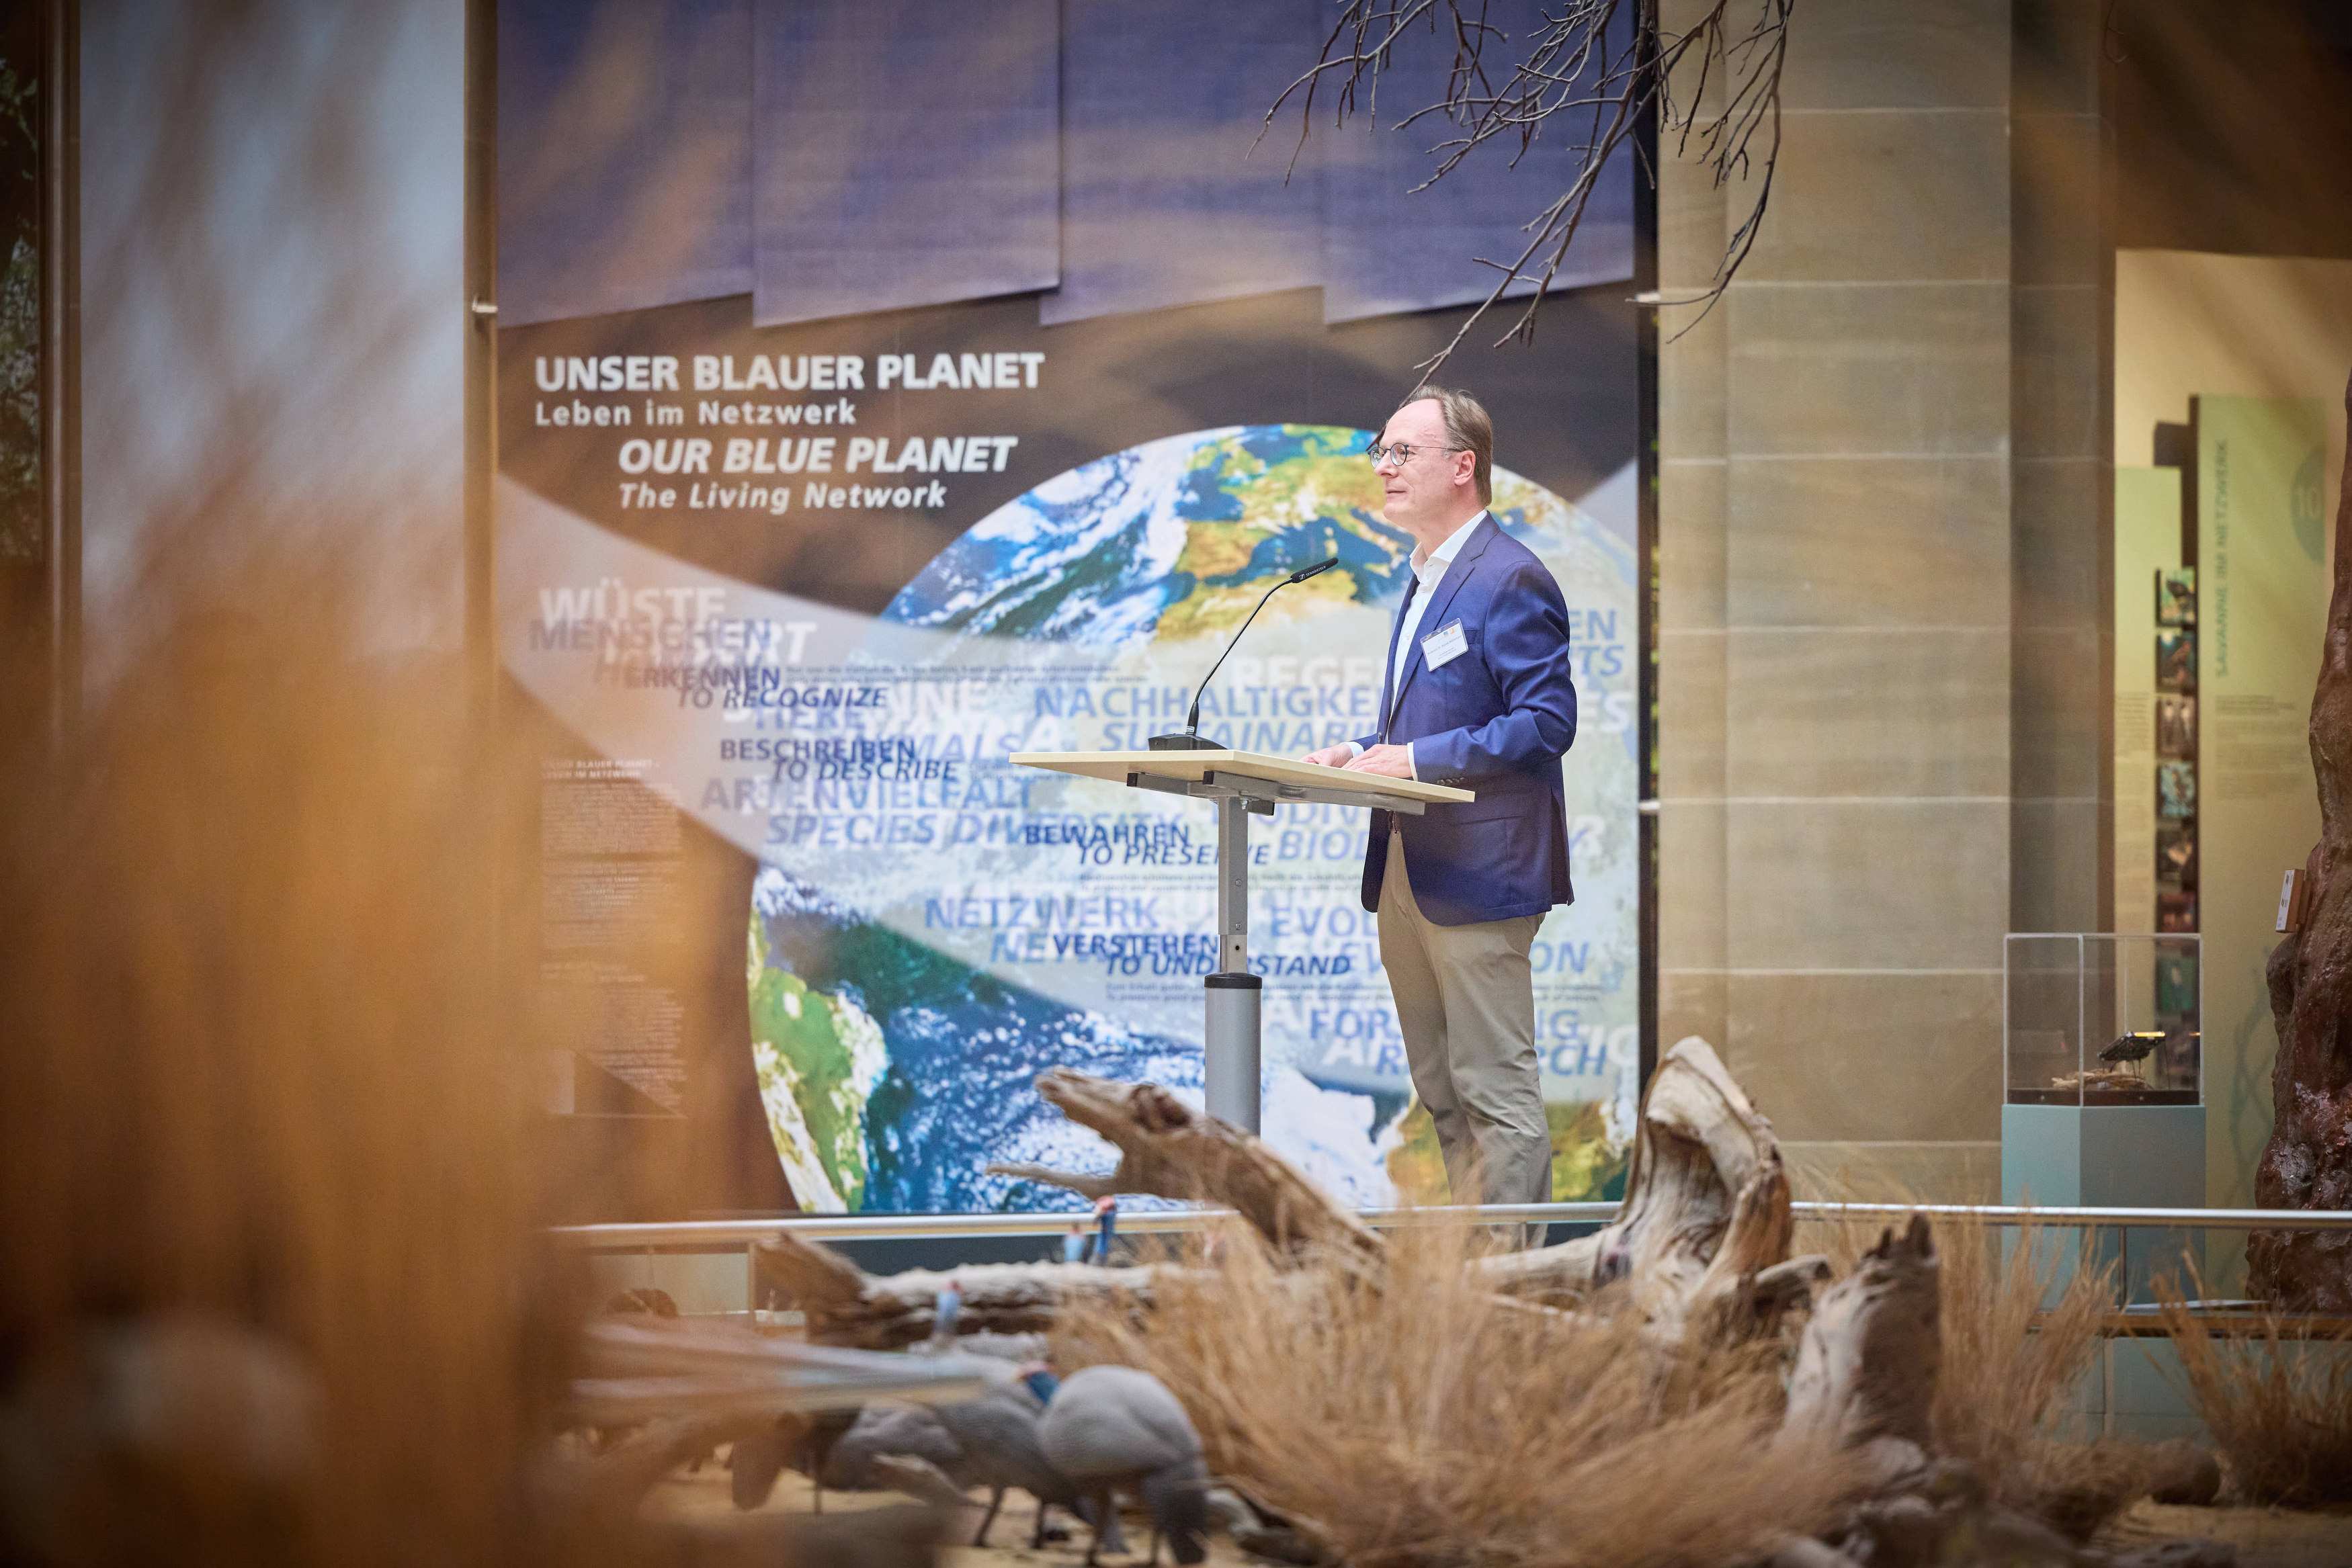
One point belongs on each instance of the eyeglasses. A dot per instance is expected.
(1401, 451)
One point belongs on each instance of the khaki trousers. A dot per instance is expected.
(1465, 1004)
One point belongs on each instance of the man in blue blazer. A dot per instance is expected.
(1477, 694)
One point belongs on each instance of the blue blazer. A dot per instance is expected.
(1495, 718)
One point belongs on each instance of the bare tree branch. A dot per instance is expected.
(1569, 77)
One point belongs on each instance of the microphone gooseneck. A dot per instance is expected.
(1190, 737)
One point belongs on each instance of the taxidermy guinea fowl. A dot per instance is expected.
(1118, 1426)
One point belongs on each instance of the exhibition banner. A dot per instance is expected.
(2262, 615)
(788, 569)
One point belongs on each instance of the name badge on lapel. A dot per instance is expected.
(1444, 645)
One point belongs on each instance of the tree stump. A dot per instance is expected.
(2307, 1164)
(1869, 1361)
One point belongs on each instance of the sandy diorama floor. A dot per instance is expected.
(2265, 1537)
(704, 1494)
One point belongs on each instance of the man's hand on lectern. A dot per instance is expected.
(1387, 761)
(1330, 756)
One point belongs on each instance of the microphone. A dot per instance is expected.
(1191, 740)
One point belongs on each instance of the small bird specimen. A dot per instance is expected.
(1119, 1427)
(2133, 1047)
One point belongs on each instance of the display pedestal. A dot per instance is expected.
(2104, 1094)
(1241, 783)
(2108, 1156)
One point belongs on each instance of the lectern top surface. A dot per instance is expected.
(1115, 766)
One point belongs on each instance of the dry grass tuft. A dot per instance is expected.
(272, 1169)
(2014, 1349)
(2279, 1408)
(267, 1108)
(1416, 1419)
(259, 1085)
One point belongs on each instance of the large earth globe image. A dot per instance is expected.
(904, 996)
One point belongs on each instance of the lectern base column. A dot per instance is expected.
(1231, 1041)
(1242, 784)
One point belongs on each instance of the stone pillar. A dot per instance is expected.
(2062, 473)
(1836, 623)
(1692, 971)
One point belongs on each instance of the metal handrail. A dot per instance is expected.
(726, 1233)
(2097, 1218)
(882, 1227)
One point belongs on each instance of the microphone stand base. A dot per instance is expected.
(1181, 743)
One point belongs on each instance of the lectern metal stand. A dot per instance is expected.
(1241, 783)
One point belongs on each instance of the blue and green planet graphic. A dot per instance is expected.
(903, 997)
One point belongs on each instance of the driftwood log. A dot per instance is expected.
(689, 1368)
(1167, 1149)
(1703, 1236)
(1868, 1364)
(1864, 1383)
(2307, 1163)
(844, 1305)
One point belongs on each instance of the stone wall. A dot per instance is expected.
(1883, 482)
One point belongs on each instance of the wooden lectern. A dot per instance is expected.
(1240, 782)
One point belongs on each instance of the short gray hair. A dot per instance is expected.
(1468, 429)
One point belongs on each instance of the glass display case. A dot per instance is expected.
(2105, 1093)
(2105, 1018)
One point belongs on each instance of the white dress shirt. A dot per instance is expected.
(1428, 572)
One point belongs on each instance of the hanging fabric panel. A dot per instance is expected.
(903, 154)
(1388, 248)
(1168, 196)
(624, 154)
